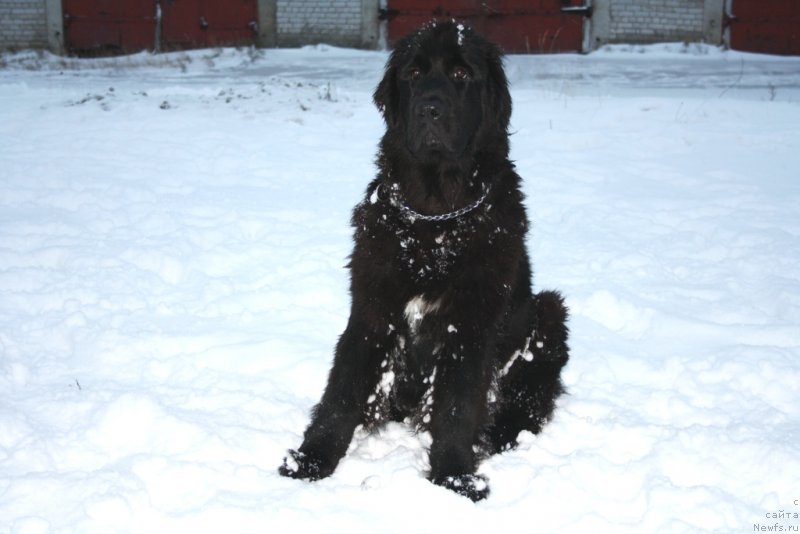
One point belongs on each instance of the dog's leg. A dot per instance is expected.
(354, 375)
(459, 412)
(530, 383)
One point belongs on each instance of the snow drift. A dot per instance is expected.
(173, 231)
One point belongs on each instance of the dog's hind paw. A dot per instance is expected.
(474, 487)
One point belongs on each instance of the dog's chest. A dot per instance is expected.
(433, 253)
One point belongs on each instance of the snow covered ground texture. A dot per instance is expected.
(173, 235)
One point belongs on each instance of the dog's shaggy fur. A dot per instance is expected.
(444, 331)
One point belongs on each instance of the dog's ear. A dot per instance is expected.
(498, 87)
(385, 96)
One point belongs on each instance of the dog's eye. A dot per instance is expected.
(460, 73)
(413, 73)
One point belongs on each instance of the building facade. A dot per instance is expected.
(74, 26)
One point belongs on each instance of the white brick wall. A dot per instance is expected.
(643, 21)
(23, 24)
(319, 21)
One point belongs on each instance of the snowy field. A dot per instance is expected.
(173, 235)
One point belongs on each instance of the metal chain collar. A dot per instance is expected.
(435, 218)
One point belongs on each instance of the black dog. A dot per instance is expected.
(444, 331)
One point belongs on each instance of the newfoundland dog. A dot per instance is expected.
(444, 333)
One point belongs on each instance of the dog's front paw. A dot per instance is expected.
(474, 487)
(304, 466)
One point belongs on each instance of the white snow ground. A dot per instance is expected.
(173, 234)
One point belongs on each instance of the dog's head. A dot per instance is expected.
(444, 95)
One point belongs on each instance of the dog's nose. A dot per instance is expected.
(429, 109)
